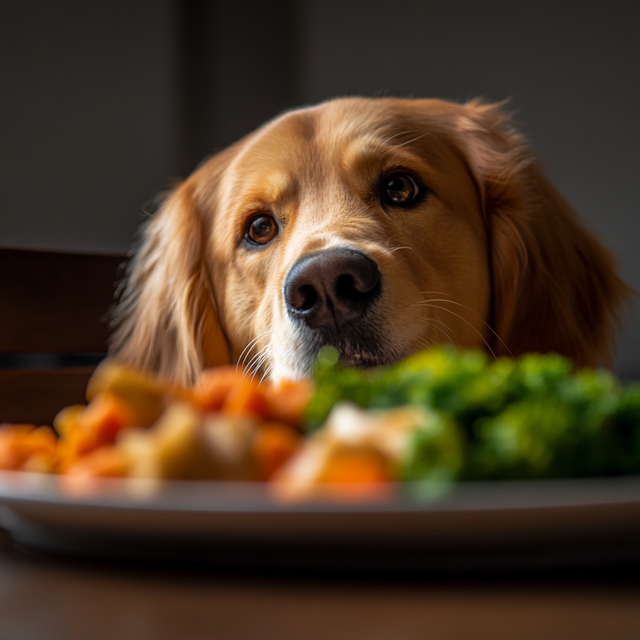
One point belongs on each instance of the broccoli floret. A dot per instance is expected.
(436, 451)
(542, 373)
(529, 439)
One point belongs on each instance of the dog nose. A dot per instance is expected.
(332, 288)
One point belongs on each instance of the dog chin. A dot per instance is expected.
(363, 359)
(301, 365)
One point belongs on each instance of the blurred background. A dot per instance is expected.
(104, 103)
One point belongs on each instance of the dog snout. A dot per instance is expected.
(332, 289)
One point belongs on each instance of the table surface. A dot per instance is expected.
(44, 598)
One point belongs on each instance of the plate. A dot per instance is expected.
(466, 526)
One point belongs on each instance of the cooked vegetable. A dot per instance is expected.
(89, 428)
(274, 443)
(23, 446)
(228, 427)
(105, 462)
(144, 396)
(438, 416)
(356, 474)
(186, 445)
(354, 447)
(527, 418)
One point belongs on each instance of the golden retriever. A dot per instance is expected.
(377, 226)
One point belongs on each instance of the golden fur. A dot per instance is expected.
(493, 257)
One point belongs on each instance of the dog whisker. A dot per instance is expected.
(267, 372)
(265, 354)
(444, 328)
(248, 347)
(255, 362)
(252, 343)
(435, 306)
(434, 293)
(418, 256)
(425, 344)
(249, 364)
(486, 324)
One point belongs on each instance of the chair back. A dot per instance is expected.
(54, 311)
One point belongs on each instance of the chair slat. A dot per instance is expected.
(55, 302)
(34, 396)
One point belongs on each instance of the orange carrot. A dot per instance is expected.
(106, 415)
(103, 462)
(213, 386)
(287, 401)
(41, 462)
(274, 444)
(18, 443)
(66, 418)
(97, 425)
(246, 398)
(357, 473)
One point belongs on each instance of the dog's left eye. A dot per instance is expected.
(262, 229)
(400, 190)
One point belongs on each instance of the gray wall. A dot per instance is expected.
(86, 119)
(103, 102)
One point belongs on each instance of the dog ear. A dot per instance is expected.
(167, 321)
(555, 287)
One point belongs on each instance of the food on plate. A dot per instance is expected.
(227, 427)
(531, 417)
(440, 415)
(360, 452)
(25, 447)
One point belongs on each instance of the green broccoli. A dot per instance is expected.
(532, 417)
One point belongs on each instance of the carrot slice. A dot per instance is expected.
(246, 399)
(66, 418)
(97, 425)
(287, 401)
(13, 451)
(106, 416)
(41, 462)
(213, 387)
(103, 462)
(274, 444)
(356, 474)
(20, 442)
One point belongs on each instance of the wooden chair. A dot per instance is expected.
(53, 312)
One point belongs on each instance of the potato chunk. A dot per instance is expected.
(144, 396)
(186, 445)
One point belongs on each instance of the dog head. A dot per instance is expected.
(377, 226)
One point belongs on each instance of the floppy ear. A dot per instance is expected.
(166, 321)
(555, 287)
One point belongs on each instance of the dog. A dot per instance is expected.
(377, 226)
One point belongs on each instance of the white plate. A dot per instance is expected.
(533, 523)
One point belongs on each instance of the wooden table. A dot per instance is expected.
(49, 599)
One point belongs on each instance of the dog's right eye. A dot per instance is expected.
(262, 229)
